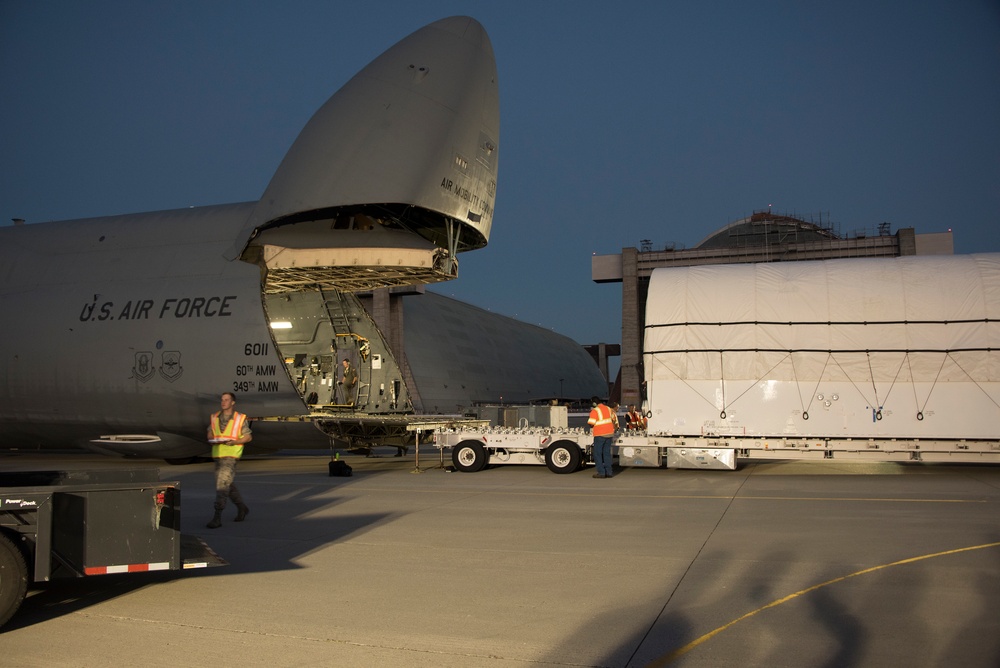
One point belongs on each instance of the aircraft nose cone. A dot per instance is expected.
(465, 27)
(418, 127)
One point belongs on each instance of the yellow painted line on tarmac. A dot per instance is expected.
(677, 653)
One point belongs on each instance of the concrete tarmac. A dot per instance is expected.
(775, 564)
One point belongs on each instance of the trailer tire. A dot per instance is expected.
(563, 457)
(13, 579)
(469, 456)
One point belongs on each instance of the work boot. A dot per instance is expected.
(216, 521)
(241, 512)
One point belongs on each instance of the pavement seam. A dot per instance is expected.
(687, 570)
(677, 653)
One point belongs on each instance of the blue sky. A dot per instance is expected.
(619, 121)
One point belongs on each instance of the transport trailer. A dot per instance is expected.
(566, 450)
(726, 452)
(71, 524)
(563, 450)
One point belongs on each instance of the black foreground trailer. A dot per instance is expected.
(71, 524)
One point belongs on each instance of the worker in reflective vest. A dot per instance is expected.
(228, 432)
(603, 425)
(636, 420)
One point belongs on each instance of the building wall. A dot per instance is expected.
(940, 243)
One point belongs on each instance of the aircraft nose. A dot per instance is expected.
(411, 142)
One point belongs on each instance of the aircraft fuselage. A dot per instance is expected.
(133, 323)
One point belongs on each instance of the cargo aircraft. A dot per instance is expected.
(122, 331)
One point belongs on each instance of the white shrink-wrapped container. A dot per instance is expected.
(881, 348)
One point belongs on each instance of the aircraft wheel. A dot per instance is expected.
(563, 457)
(469, 456)
(13, 579)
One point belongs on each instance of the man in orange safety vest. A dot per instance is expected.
(603, 424)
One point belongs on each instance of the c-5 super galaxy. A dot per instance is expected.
(127, 328)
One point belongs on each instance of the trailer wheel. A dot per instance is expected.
(13, 579)
(469, 456)
(563, 457)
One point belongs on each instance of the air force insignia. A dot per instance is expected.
(170, 367)
(143, 369)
